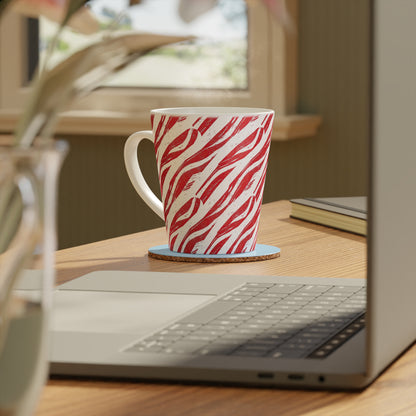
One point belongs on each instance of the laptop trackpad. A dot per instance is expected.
(119, 312)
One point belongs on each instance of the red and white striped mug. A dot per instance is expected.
(212, 166)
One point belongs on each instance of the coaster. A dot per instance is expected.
(261, 252)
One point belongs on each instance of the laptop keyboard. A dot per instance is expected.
(266, 320)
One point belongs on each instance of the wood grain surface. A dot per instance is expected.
(306, 250)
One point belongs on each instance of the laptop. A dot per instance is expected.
(271, 330)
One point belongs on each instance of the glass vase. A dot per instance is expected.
(28, 195)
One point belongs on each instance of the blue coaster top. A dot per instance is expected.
(261, 252)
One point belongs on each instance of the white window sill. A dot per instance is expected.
(108, 123)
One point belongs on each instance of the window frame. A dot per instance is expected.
(271, 48)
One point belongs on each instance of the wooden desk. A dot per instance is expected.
(307, 250)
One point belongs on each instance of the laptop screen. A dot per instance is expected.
(392, 283)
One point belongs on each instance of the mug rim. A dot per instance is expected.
(211, 111)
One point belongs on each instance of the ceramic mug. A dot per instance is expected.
(212, 166)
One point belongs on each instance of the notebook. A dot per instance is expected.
(296, 331)
(344, 213)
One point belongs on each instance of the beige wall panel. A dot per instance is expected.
(334, 59)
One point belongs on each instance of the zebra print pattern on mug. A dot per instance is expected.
(212, 172)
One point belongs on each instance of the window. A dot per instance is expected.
(267, 80)
(215, 59)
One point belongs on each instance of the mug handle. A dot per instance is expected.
(135, 174)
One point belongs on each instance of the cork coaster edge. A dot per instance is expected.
(213, 260)
(223, 259)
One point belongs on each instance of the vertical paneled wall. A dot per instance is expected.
(97, 200)
(334, 58)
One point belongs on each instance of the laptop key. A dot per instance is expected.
(289, 354)
(185, 347)
(236, 316)
(209, 312)
(315, 289)
(283, 288)
(258, 285)
(164, 338)
(344, 289)
(236, 298)
(141, 348)
(185, 327)
(224, 323)
(216, 349)
(247, 352)
(278, 338)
